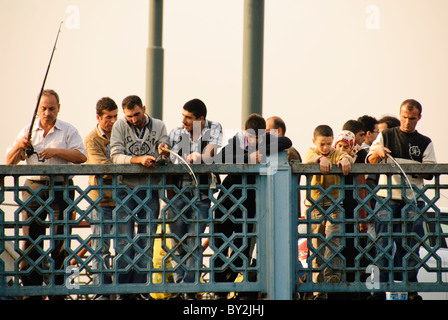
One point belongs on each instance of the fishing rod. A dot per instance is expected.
(30, 149)
(404, 175)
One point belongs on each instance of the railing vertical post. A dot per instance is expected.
(280, 231)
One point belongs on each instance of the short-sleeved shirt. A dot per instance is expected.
(63, 135)
(411, 148)
(181, 142)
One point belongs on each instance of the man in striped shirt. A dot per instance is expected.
(197, 141)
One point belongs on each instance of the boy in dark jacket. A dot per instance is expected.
(249, 146)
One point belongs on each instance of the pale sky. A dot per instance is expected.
(325, 61)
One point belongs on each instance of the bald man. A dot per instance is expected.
(277, 123)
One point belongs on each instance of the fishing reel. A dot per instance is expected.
(161, 161)
(30, 151)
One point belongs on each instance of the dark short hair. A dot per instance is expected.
(105, 103)
(278, 123)
(196, 107)
(255, 122)
(390, 121)
(131, 101)
(354, 126)
(411, 104)
(50, 92)
(323, 130)
(369, 122)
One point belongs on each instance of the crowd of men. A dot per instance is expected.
(138, 138)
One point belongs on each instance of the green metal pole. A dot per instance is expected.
(154, 61)
(253, 34)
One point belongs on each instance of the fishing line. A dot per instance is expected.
(185, 165)
(404, 175)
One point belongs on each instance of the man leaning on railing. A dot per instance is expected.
(97, 145)
(249, 146)
(197, 141)
(139, 139)
(404, 145)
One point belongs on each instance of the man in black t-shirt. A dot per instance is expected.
(405, 145)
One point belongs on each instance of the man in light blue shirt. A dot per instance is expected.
(196, 141)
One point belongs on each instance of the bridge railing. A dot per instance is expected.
(261, 208)
(246, 251)
(361, 255)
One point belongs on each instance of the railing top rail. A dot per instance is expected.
(385, 168)
(296, 167)
(92, 169)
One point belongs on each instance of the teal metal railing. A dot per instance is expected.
(237, 253)
(360, 251)
(262, 207)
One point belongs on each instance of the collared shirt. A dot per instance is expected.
(103, 134)
(182, 143)
(63, 135)
(139, 136)
(242, 135)
(139, 133)
(124, 145)
(365, 146)
(97, 145)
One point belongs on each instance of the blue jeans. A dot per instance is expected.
(135, 250)
(402, 234)
(101, 228)
(187, 229)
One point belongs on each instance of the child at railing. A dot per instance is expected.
(346, 141)
(318, 203)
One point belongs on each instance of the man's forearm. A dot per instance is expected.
(15, 155)
(74, 156)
